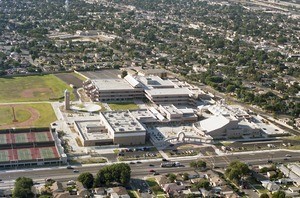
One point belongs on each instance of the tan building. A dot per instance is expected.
(123, 128)
(113, 89)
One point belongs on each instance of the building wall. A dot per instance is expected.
(97, 142)
(112, 95)
(130, 140)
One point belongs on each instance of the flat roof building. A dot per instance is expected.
(176, 96)
(113, 89)
(156, 89)
(93, 133)
(155, 82)
(220, 126)
(123, 127)
(172, 113)
(154, 72)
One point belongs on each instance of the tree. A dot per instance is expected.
(201, 164)
(22, 188)
(198, 164)
(236, 170)
(278, 194)
(87, 179)
(120, 173)
(185, 176)
(193, 164)
(124, 73)
(203, 183)
(264, 195)
(172, 177)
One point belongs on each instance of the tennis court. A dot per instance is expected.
(21, 138)
(41, 137)
(3, 139)
(4, 156)
(47, 153)
(24, 154)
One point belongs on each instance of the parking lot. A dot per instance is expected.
(261, 145)
(138, 153)
(69, 78)
(181, 151)
(103, 74)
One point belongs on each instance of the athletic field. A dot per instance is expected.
(32, 88)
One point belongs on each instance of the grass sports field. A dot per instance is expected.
(32, 88)
(27, 115)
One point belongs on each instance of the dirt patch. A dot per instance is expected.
(35, 115)
(29, 93)
(70, 79)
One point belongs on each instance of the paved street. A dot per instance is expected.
(142, 170)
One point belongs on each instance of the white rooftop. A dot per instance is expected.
(169, 92)
(122, 121)
(112, 84)
(83, 125)
(171, 109)
(132, 81)
(153, 82)
(143, 114)
(214, 122)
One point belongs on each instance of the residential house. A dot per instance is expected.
(59, 190)
(100, 192)
(194, 191)
(162, 180)
(205, 193)
(270, 186)
(173, 187)
(117, 192)
(271, 173)
(293, 192)
(216, 181)
(193, 175)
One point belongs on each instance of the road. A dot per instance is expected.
(142, 170)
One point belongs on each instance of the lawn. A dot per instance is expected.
(27, 115)
(32, 88)
(297, 138)
(46, 116)
(123, 106)
(151, 182)
(132, 194)
(154, 186)
(92, 160)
